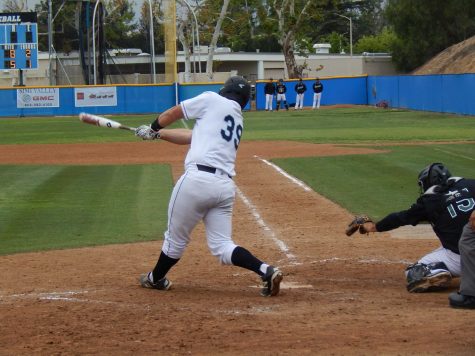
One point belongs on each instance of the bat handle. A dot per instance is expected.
(127, 128)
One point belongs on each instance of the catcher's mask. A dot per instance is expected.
(433, 174)
(238, 89)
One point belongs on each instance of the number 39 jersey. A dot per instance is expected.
(446, 208)
(217, 131)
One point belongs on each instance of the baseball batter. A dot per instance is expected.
(206, 190)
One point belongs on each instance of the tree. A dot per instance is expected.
(143, 27)
(290, 26)
(426, 27)
(339, 42)
(368, 17)
(292, 16)
(214, 39)
(120, 29)
(65, 34)
(13, 6)
(184, 29)
(382, 42)
(242, 27)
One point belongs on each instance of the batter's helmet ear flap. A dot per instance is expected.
(238, 89)
(433, 174)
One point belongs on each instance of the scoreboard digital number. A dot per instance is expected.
(18, 40)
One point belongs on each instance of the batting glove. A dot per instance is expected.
(146, 133)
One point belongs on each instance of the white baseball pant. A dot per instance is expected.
(316, 100)
(441, 254)
(269, 100)
(205, 196)
(299, 101)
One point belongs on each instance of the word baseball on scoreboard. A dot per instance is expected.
(18, 40)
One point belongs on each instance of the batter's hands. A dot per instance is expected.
(145, 132)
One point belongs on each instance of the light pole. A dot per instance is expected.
(152, 41)
(197, 35)
(50, 41)
(351, 33)
(94, 40)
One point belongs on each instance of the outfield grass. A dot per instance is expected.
(363, 124)
(378, 184)
(49, 207)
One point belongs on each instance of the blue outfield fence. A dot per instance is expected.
(448, 93)
(64, 101)
(345, 90)
(451, 93)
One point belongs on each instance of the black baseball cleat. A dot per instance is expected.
(431, 283)
(162, 284)
(422, 279)
(457, 300)
(271, 279)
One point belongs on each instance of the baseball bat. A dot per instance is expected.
(102, 122)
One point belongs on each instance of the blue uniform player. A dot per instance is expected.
(281, 98)
(446, 202)
(300, 89)
(317, 93)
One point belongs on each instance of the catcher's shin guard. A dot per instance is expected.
(427, 278)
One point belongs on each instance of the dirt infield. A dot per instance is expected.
(340, 296)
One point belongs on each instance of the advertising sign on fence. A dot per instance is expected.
(37, 98)
(96, 96)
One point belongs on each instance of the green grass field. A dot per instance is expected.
(49, 207)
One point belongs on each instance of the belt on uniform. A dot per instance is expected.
(208, 169)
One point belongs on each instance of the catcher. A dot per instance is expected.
(446, 202)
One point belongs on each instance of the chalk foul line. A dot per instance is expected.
(280, 244)
(285, 174)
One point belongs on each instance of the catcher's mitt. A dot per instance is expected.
(357, 224)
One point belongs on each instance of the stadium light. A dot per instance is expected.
(351, 33)
(94, 40)
(152, 41)
(197, 35)
(50, 41)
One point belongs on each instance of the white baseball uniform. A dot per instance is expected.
(441, 254)
(317, 97)
(281, 97)
(269, 101)
(206, 190)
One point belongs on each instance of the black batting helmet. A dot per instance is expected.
(238, 89)
(433, 174)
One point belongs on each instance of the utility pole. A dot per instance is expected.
(152, 43)
(50, 41)
(351, 32)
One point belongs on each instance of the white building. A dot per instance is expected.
(132, 67)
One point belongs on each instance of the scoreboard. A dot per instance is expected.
(18, 40)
